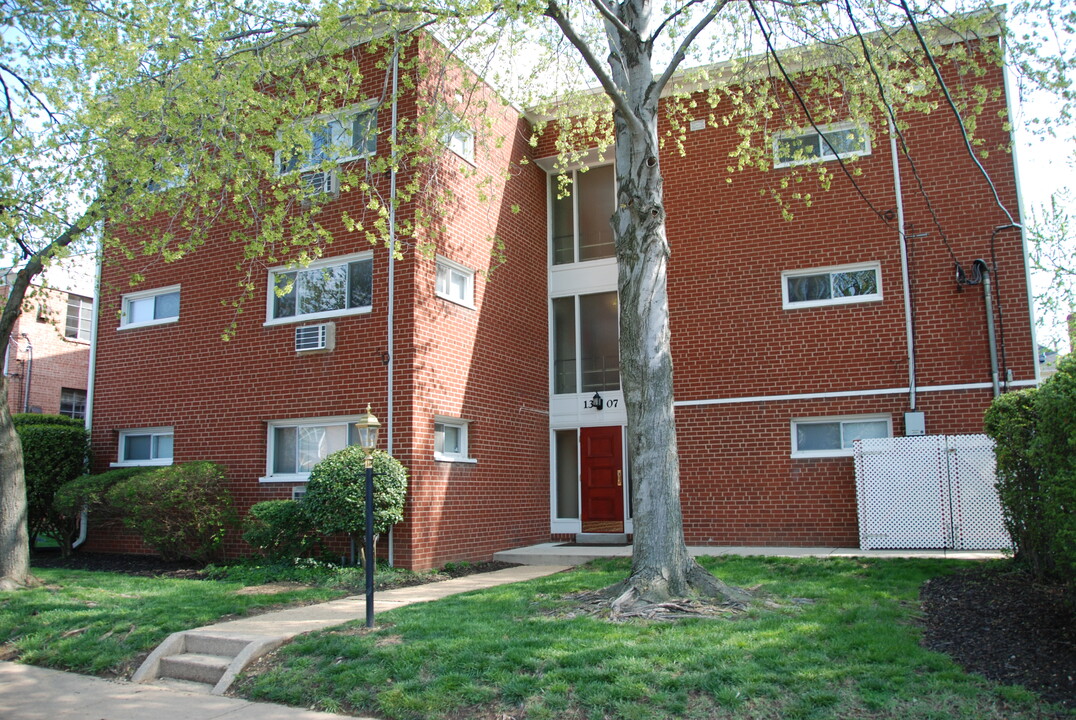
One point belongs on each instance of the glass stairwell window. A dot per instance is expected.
(581, 229)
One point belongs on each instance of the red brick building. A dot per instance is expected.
(48, 356)
(790, 338)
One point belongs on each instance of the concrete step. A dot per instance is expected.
(196, 667)
(207, 644)
(601, 538)
(188, 686)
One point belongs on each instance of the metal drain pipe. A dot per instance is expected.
(988, 302)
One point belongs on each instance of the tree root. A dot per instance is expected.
(8, 584)
(651, 596)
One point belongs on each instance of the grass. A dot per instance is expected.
(841, 643)
(101, 623)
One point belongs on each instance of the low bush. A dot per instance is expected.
(55, 450)
(182, 511)
(280, 530)
(90, 492)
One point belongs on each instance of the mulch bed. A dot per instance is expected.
(996, 622)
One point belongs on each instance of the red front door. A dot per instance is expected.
(601, 474)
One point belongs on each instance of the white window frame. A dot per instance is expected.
(445, 270)
(153, 432)
(345, 117)
(270, 443)
(76, 404)
(125, 314)
(463, 426)
(842, 419)
(457, 136)
(826, 153)
(316, 265)
(84, 323)
(832, 270)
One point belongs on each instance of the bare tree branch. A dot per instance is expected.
(610, 17)
(554, 13)
(681, 51)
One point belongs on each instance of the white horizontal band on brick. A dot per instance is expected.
(846, 393)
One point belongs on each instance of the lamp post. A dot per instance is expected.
(366, 428)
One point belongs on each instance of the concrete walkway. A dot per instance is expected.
(568, 554)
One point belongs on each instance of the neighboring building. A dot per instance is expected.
(501, 393)
(47, 362)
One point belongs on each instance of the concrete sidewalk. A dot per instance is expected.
(33, 693)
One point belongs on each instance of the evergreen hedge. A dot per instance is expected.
(55, 450)
(1034, 432)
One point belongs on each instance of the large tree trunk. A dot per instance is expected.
(661, 565)
(14, 543)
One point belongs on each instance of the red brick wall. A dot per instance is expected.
(58, 362)
(731, 340)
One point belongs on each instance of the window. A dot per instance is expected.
(455, 282)
(829, 142)
(150, 307)
(145, 446)
(450, 440)
(166, 179)
(296, 446)
(831, 286)
(73, 403)
(327, 288)
(79, 318)
(457, 136)
(596, 343)
(833, 437)
(581, 220)
(346, 135)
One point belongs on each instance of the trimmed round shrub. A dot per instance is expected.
(335, 499)
(279, 529)
(55, 450)
(181, 511)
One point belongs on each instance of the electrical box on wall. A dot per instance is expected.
(915, 423)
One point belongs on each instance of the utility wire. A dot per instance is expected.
(956, 112)
(900, 134)
(807, 112)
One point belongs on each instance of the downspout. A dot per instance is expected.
(909, 331)
(389, 425)
(84, 518)
(29, 375)
(988, 302)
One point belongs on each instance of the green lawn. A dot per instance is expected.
(100, 623)
(839, 640)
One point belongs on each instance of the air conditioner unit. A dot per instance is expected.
(315, 337)
(320, 182)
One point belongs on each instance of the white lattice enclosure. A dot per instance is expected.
(933, 491)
